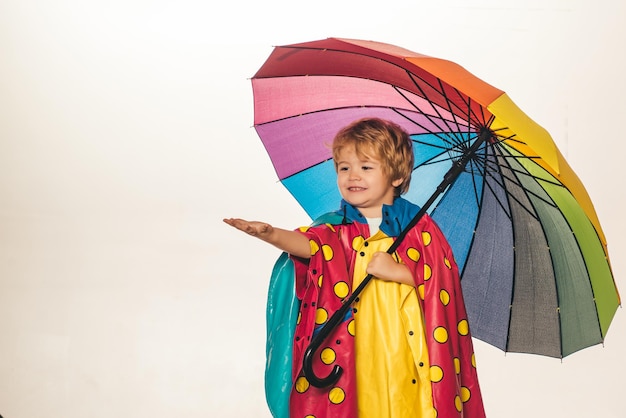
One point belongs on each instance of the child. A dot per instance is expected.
(405, 348)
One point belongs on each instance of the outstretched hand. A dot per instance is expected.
(257, 229)
(292, 242)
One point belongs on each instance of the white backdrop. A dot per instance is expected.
(126, 136)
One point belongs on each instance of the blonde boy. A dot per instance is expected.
(405, 348)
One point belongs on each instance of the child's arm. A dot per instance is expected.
(291, 242)
(383, 266)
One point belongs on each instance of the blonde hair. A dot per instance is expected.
(386, 140)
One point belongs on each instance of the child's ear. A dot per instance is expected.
(397, 182)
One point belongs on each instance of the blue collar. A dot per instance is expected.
(395, 216)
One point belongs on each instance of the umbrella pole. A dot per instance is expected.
(449, 178)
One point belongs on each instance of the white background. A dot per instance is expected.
(126, 136)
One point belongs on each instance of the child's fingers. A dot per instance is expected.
(253, 228)
(238, 223)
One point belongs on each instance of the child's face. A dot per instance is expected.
(363, 183)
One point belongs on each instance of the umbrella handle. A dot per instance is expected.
(337, 317)
(322, 334)
(449, 178)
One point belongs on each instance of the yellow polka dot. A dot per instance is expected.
(436, 374)
(314, 247)
(428, 272)
(351, 328)
(304, 228)
(357, 242)
(320, 316)
(320, 280)
(328, 355)
(310, 416)
(413, 254)
(341, 289)
(440, 334)
(444, 297)
(426, 238)
(463, 327)
(457, 403)
(465, 394)
(302, 385)
(299, 318)
(447, 262)
(474, 360)
(420, 290)
(336, 395)
(457, 365)
(331, 227)
(328, 252)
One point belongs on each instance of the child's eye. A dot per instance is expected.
(343, 168)
(366, 167)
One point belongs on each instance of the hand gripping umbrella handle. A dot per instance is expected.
(449, 178)
(335, 319)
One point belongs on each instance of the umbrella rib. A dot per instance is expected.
(509, 195)
(526, 173)
(428, 144)
(525, 157)
(436, 158)
(485, 172)
(470, 115)
(451, 139)
(424, 95)
(508, 156)
(496, 167)
(501, 184)
(450, 103)
(515, 180)
(445, 138)
(494, 164)
(528, 194)
(305, 169)
(472, 163)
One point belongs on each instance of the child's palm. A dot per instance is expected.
(254, 228)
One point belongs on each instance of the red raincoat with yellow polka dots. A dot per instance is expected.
(405, 351)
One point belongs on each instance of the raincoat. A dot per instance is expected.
(406, 351)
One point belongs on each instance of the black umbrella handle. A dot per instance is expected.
(449, 178)
(335, 319)
(318, 339)
(323, 333)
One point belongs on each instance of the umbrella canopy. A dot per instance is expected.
(534, 266)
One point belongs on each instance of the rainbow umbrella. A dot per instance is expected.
(535, 270)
